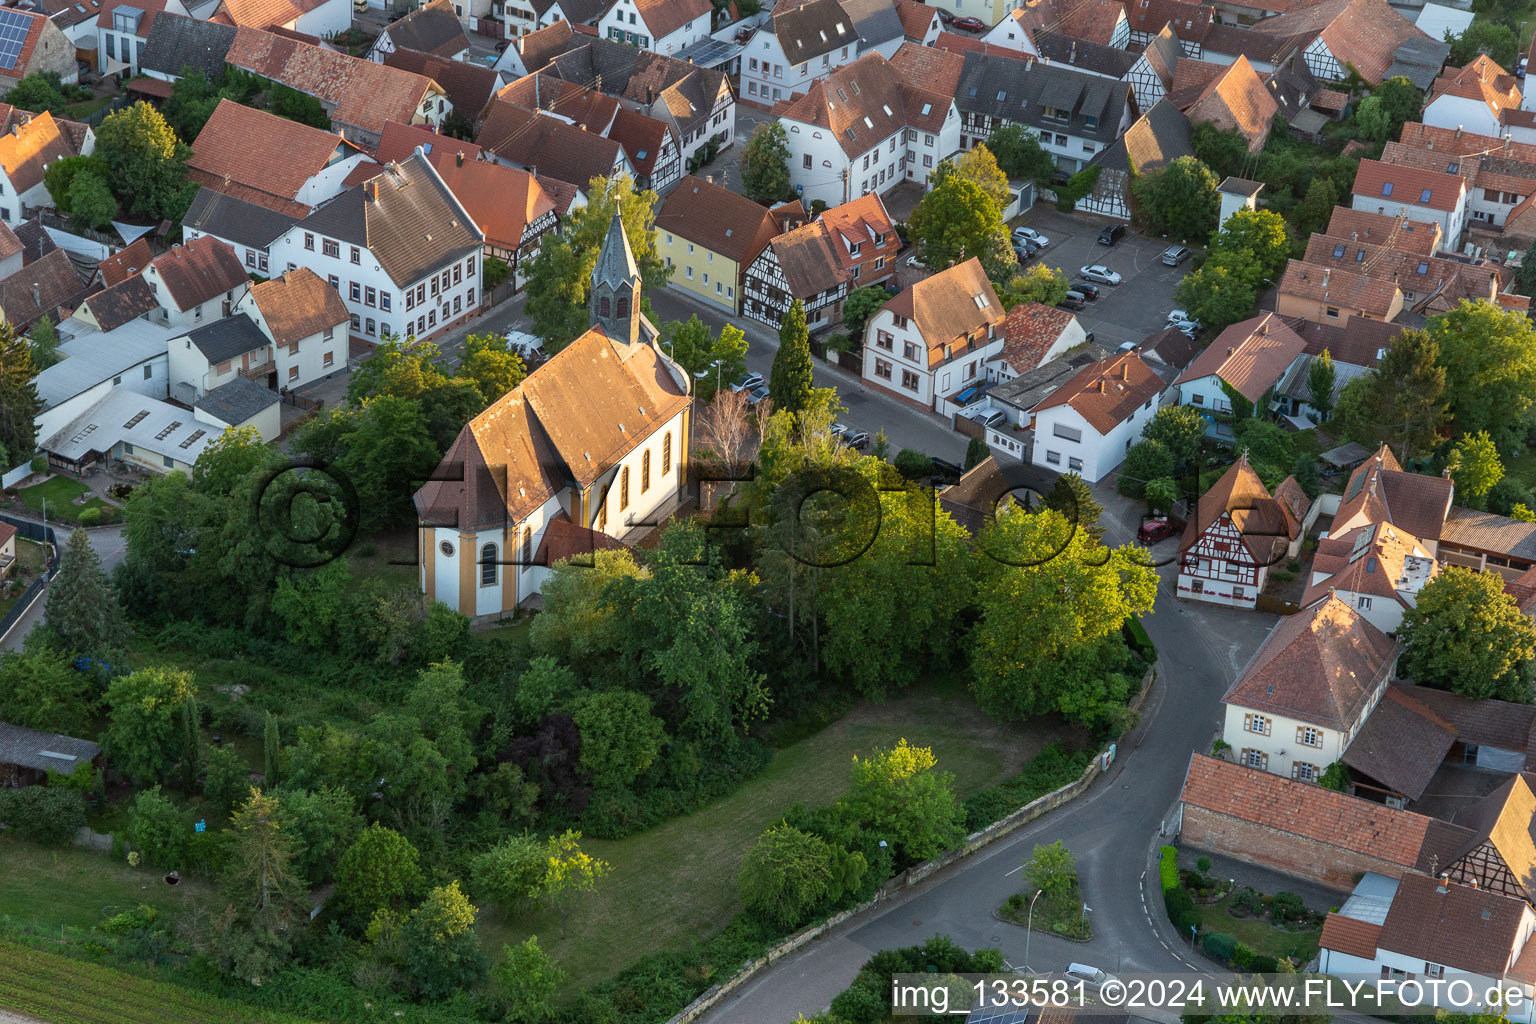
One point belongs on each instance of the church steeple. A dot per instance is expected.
(615, 294)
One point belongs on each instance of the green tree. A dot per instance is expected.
(1259, 241)
(1401, 402)
(1335, 777)
(620, 738)
(1489, 355)
(569, 873)
(1145, 461)
(1499, 42)
(1316, 207)
(1161, 494)
(385, 448)
(1401, 99)
(271, 750)
(956, 221)
(38, 92)
(146, 736)
(1052, 603)
(786, 874)
(690, 345)
(860, 305)
(83, 611)
(380, 871)
(1072, 497)
(1180, 200)
(1052, 870)
(1218, 294)
(146, 162)
(1466, 635)
(765, 163)
(1321, 379)
(1019, 154)
(1474, 466)
(1179, 429)
(410, 370)
(1525, 273)
(900, 795)
(509, 873)
(1372, 121)
(977, 164)
(226, 780)
(312, 604)
(91, 201)
(560, 277)
(259, 881)
(191, 103)
(494, 369)
(1036, 283)
(40, 689)
(526, 982)
(323, 823)
(790, 381)
(19, 403)
(442, 953)
(158, 830)
(976, 452)
(1223, 151)
(45, 343)
(297, 106)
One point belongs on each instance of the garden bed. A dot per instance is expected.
(1062, 917)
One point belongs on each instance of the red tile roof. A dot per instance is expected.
(1105, 393)
(642, 137)
(265, 153)
(400, 141)
(1249, 356)
(127, 262)
(1306, 810)
(502, 200)
(1346, 935)
(199, 270)
(1240, 495)
(265, 14)
(298, 304)
(1344, 290)
(1482, 81)
(35, 25)
(1379, 491)
(935, 66)
(862, 221)
(951, 308)
(916, 18)
(28, 148)
(469, 86)
(663, 17)
(1419, 236)
(1030, 331)
(1409, 186)
(1457, 925)
(718, 219)
(1362, 33)
(1237, 98)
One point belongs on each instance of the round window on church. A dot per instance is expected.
(446, 547)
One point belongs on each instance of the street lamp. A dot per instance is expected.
(1082, 927)
(1029, 927)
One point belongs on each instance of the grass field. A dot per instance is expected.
(677, 882)
(78, 888)
(378, 555)
(1259, 934)
(56, 497)
(64, 991)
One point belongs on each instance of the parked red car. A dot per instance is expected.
(1154, 530)
(969, 24)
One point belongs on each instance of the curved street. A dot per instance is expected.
(1113, 829)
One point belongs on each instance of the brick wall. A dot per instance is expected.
(1290, 854)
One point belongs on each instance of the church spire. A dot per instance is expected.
(615, 294)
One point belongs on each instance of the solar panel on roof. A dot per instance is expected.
(14, 26)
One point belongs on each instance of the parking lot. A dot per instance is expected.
(1128, 311)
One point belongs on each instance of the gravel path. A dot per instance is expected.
(7, 1017)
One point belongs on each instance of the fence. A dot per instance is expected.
(969, 427)
(915, 874)
(1275, 606)
(43, 535)
(15, 476)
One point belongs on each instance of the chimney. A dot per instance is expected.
(1458, 132)
(710, 178)
(458, 161)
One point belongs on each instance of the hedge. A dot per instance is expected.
(1219, 946)
(1168, 867)
(1050, 769)
(1181, 910)
(1136, 636)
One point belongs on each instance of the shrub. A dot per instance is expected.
(90, 517)
(1203, 865)
(1263, 963)
(1248, 901)
(1051, 769)
(43, 814)
(159, 830)
(1136, 636)
(1287, 906)
(1168, 867)
(1181, 910)
(1219, 946)
(1243, 956)
(40, 464)
(913, 464)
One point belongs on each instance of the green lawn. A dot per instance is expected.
(1258, 933)
(84, 109)
(677, 882)
(1522, 467)
(49, 886)
(56, 497)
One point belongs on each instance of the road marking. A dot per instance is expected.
(1014, 871)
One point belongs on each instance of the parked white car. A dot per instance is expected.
(1090, 974)
(1100, 274)
(525, 345)
(1030, 234)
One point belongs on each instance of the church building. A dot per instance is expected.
(589, 452)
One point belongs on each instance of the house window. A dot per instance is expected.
(333, 281)
(328, 247)
(882, 369)
(1363, 603)
(645, 472)
(370, 297)
(371, 328)
(666, 453)
(527, 545)
(458, 274)
(909, 380)
(293, 373)
(1258, 724)
(1308, 736)
(1238, 593)
(327, 359)
(488, 566)
(1054, 458)
(908, 350)
(624, 489)
(1434, 970)
(357, 256)
(356, 291)
(885, 340)
(1332, 312)
(309, 241)
(1075, 465)
(1256, 759)
(1304, 772)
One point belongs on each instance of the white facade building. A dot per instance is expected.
(661, 26)
(1088, 424)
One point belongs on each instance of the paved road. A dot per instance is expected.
(1112, 830)
(109, 544)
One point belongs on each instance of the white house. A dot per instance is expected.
(94, 364)
(1378, 570)
(28, 150)
(321, 18)
(1424, 195)
(1088, 424)
(212, 355)
(661, 26)
(400, 249)
(248, 228)
(1249, 358)
(936, 337)
(1307, 690)
(122, 31)
(306, 321)
(196, 282)
(797, 45)
(864, 128)
(1235, 533)
(1476, 98)
(590, 451)
(1467, 939)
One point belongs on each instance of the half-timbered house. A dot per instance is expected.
(800, 264)
(1236, 532)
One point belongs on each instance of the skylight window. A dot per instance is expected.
(887, 108)
(1423, 268)
(868, 123)
(1424, 196)
(927, 109)
(1338, 251)
(1001, 95)
(854, 86)
(1386, 189)
(1453, 168)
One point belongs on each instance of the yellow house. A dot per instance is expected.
(708, 235)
